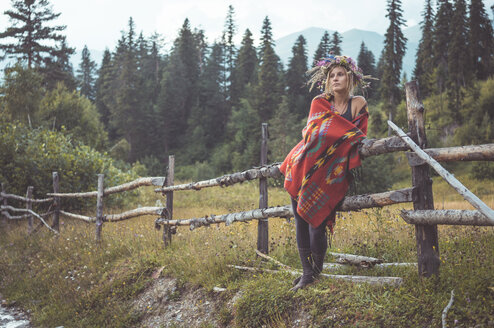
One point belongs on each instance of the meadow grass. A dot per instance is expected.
(71, 280)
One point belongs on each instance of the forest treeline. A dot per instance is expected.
(205, 101)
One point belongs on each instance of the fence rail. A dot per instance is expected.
(424, 217)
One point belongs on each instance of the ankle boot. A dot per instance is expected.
(317, 264)
(308, 272)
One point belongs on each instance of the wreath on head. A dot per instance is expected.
(319, 73)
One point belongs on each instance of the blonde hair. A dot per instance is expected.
(349, 87)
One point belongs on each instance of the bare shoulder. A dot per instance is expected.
(358, 102)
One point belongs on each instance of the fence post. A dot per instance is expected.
(426, 235)
(56, 202)
(262, 224)
(99, 206)
(167, 232)
(29, 206)
(3, 215)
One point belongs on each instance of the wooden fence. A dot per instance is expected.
(424, 217)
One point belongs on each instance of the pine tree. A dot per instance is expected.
(85, 76)
(296, 79)
(335, 44)
(393, 52)
(268, 91)
(366, 62)
(323, 47)
(459, 69)
(209, 116)
(229, 32)
(245, 69)
(442, 37)
(103, 92)
(126, 110)
(179, 88)
(424, 64)
(30, 19)
(266, 37)
(481, 40)
(58, 68)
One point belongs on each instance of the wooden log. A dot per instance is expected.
(13, 209)
(25, 216)
(448, 217)
(78, 217)
(393, 281)
(148, 181)
(351, 203)
(373, 147)
(262, 224)
(425, 235)
(451, 154)
(268, 171)
(56, 202)
(358, 260)
(24, 199)
(275, 261)
(453, 182)
(99, 207)
(134, 213)
(337, 266)
(358, 202)
(256, 214)
(29, 206)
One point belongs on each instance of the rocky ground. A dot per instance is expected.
(11, 317)
(166, 304)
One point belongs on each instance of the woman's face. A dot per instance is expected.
(338, 79)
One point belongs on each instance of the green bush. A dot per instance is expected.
(29, 156)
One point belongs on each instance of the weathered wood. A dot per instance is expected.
(4, 215)
(25, 216)
(170, 176)
(24, 199)
(262, 224)
(393, 281)
(275, 261)
(448, 217)
(99, 207)
(268, 171)
(256, 214)
(444, 315)
(351, 203)
(451, 154)
(56, 202)
(363, 261)
(134, 213)
(13, 209)
(358, 202)
(373, 147)
(148, 181)
(78, 217)
(426, 235)
(453, 182)
(337, 266)
(29, 206)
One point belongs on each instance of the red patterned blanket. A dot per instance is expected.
(317, 169)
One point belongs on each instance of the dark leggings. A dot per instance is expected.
(309, 237)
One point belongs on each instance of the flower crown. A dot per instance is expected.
(319, 73)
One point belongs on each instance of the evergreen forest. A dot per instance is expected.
(205, 101)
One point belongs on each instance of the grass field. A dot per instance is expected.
(72, 281)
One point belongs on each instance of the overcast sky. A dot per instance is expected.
(98, 23)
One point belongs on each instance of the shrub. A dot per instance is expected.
(29, 156)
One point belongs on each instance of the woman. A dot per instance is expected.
(317, 170)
